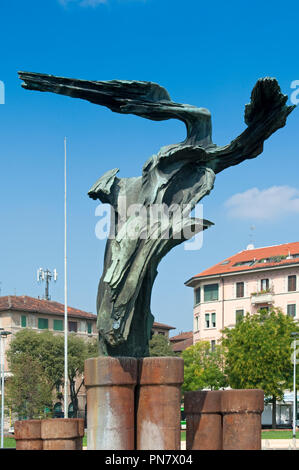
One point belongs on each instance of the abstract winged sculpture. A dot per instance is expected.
(180, 175)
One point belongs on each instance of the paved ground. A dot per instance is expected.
(267, 444)
(280, 444)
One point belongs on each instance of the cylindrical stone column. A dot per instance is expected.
(203, 420)
(110, 385)
(242, 411)
(27, 434)
(158, 403)
(62, 433)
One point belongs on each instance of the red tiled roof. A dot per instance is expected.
(260, 258)
(182, 336)
(163, 326)
(30, 304)
(182, 345)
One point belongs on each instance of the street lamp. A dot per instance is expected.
(294, 335)
(3, 334)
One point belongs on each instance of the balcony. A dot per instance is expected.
(262, 298)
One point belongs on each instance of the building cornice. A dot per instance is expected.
(195, 279)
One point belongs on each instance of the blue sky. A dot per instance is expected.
(208, 54)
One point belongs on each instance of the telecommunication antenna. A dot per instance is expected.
(251, 239)
(45, 275)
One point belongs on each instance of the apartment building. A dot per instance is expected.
(19, 312)
(181, 341)
(245, 282)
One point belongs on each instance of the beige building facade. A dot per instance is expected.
(20, 312)
(247, 282)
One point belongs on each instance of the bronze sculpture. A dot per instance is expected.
(179, 175)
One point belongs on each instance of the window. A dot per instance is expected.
(197, 296)
(245, 263)
(23, 321)
(57, 409)
(210, 292)
(239, 316)
(264, 309)
(89, 328)
(240, 289)
(73, 327)
(213, 345)
(291, 310)
(196, 323)
(213, 320)
(292, 283)
(58, 325)
(265, 284)
(207, 320)
(43, 323)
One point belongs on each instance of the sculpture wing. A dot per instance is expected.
(265, 114)
(121, 96)
(146, 99)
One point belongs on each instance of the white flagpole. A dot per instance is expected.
(65, 295)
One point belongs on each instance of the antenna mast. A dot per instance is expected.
(46, 275)
(65, 293)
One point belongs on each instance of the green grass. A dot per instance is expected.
(278, 434)
(9, 442)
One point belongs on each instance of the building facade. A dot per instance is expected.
(251, 280)
(20, 312)
(181, 341)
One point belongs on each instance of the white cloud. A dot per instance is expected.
(265, 204)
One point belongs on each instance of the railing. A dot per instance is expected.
(262, 297)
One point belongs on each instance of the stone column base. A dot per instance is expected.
(110, 385)
(158, 403)
(203, 420)
(242, 411)
(27, 434)
(62, 433)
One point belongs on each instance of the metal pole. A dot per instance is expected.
(65, 294)
(47, 285)
(2, 394)
(294, 399)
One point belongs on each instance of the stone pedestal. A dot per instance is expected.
(158, 403)
(242, 411)
(62, 433)
(110, 384)
(28, 434)
(203, 420)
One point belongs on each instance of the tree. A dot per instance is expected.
(203, 367)
(48, 350)
(78, 351)
(258, 354)
(159, 345)
(28, 390)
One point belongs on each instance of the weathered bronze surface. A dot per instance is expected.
(180, 174)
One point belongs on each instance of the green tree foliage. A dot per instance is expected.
(258, 353)
(48, 350)
(28, 390)
(159, 346)
(203, 368)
